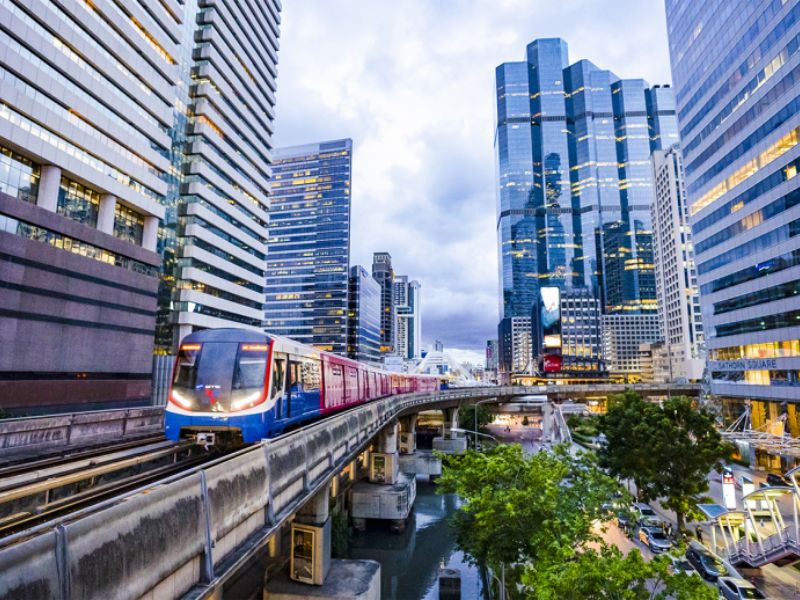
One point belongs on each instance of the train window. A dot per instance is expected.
(309, 373)
(186, 371)
(251, 367)
(278, 374)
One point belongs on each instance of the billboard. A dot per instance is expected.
(551, 363)
(550, 316)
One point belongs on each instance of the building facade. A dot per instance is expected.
(623, 338)
(573, 144)
(676, 276)
(383, 273)
(364, 317)
(408, 310)
(738, 101)
(309, 245)
(514, 348)
(135, 151)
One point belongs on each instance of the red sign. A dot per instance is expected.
(552, 363)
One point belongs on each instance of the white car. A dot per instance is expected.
(736, 588)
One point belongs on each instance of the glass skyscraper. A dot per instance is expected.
(383, 273)
(573, 147)
(309, 244)
(736, 68)
(364, 318)
(408, 310)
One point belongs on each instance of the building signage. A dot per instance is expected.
(745, 364)
(550, 316)
(729, 489)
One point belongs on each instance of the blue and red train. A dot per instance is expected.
(243, 386)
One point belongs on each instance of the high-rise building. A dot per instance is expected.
(408, 311)
(114, 116)
(383, 273)
(514, 348)
(573, 144)
(492, 355)
(676, 276)
(364, 317)
(623, 337)
(309, 244)
(735, 68)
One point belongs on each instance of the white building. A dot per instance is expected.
(623, 336)
(676, 276)
(408, 310)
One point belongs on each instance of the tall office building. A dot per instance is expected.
(309, 244)
(408, 313)
(514, 348)
(676, 276)
(573, 144)
(364, 317)
(114, 116)
(736, 68)
(383, 273)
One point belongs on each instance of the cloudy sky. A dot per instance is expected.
(412, 83)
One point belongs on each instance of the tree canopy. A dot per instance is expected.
(537, 518)
(668, 450)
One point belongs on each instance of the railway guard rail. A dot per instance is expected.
(31, 435)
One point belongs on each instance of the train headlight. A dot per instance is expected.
(181, 400)
(247, 401)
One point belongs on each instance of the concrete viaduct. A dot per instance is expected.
(186, 536)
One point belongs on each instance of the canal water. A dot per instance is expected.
(410, 561)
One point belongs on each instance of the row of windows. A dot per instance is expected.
(206, 268)
(19, 177)
(779, 377)
(193, 241)
(128, 224)
(772, 265)
(193, 307)
(781, 349)
(747, 90)
(778, 292)
(752, 220)
(195, 220)
(217, 293)
(736, 51)
(743, 147)
(777, 321)
(750, 195)
(57, 240)
(776, 236)
(78, 202)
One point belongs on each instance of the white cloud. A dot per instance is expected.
(412, 83)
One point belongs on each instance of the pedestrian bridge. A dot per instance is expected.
(767, 530)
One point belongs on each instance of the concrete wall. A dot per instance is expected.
(33, 435)
(73, 329)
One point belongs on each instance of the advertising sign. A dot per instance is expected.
(728, 489)
(552, 363)
(550, 316)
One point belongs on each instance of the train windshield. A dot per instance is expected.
(220, 376)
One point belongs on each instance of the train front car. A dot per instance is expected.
(219, 387)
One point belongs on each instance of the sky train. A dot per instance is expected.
(243, 386)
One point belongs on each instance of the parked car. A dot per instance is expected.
(681, 565)
(645, 515)
(655, 539)
(708, 565)
(775, 479)
(735, 588)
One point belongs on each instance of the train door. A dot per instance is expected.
(278, 384)
(294, 391)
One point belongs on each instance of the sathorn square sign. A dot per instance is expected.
(744, 364)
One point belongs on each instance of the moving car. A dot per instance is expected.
(681, 565)
(708, 565)
(736, 588)
(655, 539)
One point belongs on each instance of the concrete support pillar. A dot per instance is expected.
(311, 530)
(387, 438)
(408, 434)
(315, 511)
(548, 433)
(450, 420)
(49, 182)
(150, 234)
(105, 215)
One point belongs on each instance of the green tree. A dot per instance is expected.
(466, 416)
(666, 450)
(628, 430)
(605, 573)
(537, 517)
